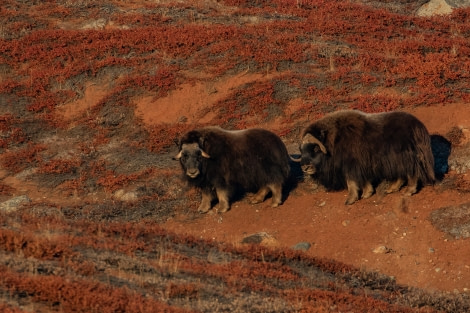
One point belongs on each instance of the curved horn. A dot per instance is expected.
(192, 146)
(309, 138)
(294, 159)
(205, 155)
(178, 156)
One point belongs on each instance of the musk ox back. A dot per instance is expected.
(220, 162)
(354, 150)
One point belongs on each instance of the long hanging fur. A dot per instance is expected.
(245, 160)
(370, 148)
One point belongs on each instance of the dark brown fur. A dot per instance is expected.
(364, 149)
(247, 160)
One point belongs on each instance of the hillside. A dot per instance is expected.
(95, 216)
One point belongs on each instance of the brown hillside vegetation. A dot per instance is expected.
(95, 216)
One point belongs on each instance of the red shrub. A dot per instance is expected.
(20, 159)
(111, 181)
(59, 166)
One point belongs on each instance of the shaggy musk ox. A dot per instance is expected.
(221, 162)
(356, 150)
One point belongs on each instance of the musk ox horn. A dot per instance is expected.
(178, 156)
(297, 160)
(203, 153)
(308, 138)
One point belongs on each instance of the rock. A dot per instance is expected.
(382, 250)
(260, 238)
(434, 7)
(441, 7)
(303, 246)
(453, 220)
(459, 160)
(14, 203)
(96, 24)
(122, 195)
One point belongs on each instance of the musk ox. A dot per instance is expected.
(222, 162)
(354, 150)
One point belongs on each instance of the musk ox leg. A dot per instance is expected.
(353, 191)
(223, 196)
(395, 186)
(276, 190)
(412, 185)
(206, 202)
(260, 195)
(367, 191)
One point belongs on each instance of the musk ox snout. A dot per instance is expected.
(192, 172)
(308, 169)
(190, 157)
(312, 152)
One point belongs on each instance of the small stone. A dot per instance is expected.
(122, 195)
(303, 246)
(14, 203)
(255, 238)
(437, 269)
(346, 222)
(431, 250)
(262, 238)
(381, 250)
(322, 204)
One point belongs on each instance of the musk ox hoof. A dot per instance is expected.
(222, 208)
(367, 191)
(409, 193)
(411, 190)
(367, 195)
(203, 208)
(255, 201)
(350, 201)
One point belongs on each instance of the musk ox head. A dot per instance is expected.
(191, 158)
(312, 152)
